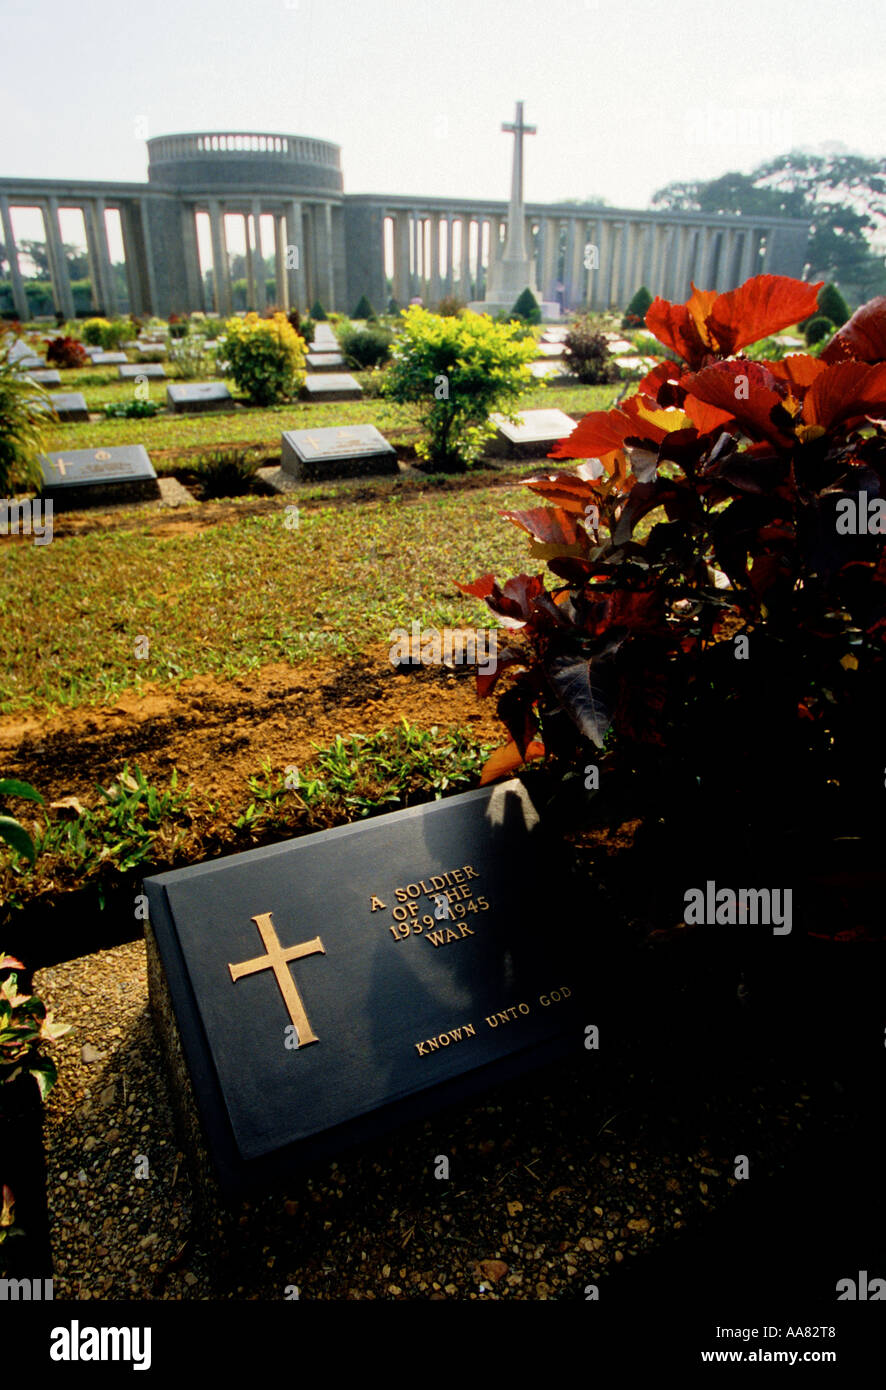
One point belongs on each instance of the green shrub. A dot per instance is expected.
(318, 312)
(365, 347)
(364, 310)
(25, 1024)
(306, 330)
(189, 359)
(92, 331)
(393, 306)
(526, 308)
(24, 414)
(226, 473)
(266, 357)
(451, 306)
(832, 305)
(818, 328)
(456, 370)
(131, 410)
(635, 314)
(587, 354)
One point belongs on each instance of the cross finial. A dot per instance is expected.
(516, 127)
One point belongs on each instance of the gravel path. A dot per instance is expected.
(555, 1181)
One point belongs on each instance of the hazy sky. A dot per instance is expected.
(626, 94)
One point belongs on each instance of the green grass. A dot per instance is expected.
(171, 436)
(133, 824)
(229, 598)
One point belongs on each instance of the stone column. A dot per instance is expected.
(294, 275)
(747, 255)
(281, 284)
(151, 278)
(647, 253)
(261, 289)
(450, 273)
(435, 258)
(579, 237)
(61, 281)
(251, 302)
(191, 254)
(401, 258)
(329, 278)
(682, 272)
(19, 298)
(221, 275)
(551, 257)
(705, 259)
(465, 283)
(105, 258)
(599, 279)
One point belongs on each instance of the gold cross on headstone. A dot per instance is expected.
(278, 960)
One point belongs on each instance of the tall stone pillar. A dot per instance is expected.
(19, 298)
(682, 271)
(261, 289)
(465, 282)
(281, 284)
(294, 263)
(401, 258)
(648, 231)
(747, 255)
(705, 259)
(191, 253)
(450, 270)
(150, 273)
(329, 262)
(598, 279)
(551, 258)
(578, 232)
(221, 275)
(435, 259)
(61, 280)
(105, 257)
(250, 266)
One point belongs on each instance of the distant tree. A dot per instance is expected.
(318, 313)
(842, 195)
(526, 308)
(635, 314)
(832, 304)
(364, 309)
(593, 200)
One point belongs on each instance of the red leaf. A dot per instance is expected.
(704, 416)
(720, 386)
(600, 432)
(674, 326)
(762, 305)
(506, 760)
(798, 370)
(845, 393)
(550, 525)
(863, 337)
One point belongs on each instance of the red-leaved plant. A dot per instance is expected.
(716, 626)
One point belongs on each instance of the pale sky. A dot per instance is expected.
(626, 94)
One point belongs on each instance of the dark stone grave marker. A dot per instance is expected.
(69, 405)
(187, 397)
(97, 477)
(348, 452)
(331, 386)
(317, 992)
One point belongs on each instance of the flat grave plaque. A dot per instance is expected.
(324, 361)
(186, 397)
(331, 386)
(536, 432)
(154, 371)
(78, 478)
(21, 352)
(552, 372)
(31, 363)
(109, 359)
(69, 406)
(551, 349)
(349, 452)
(46, 378)
(324, 989)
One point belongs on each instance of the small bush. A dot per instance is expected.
(365, 347)
(393, 306)
(226, 473)
(66, 352)
(178, 330)
(265, 356)
(635, 314)
(24, 416)
(131, 410)
(456, 370)
(587, 354)
(318, 312)
(526, 308)
(818, 328)
(451, 307)
(832, 305)
(364, 310)
(189, 360)
(306, 331)
(92, 331)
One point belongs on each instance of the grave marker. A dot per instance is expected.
(69, 406)
(331, 386)
(324, 361)
(46, 378)
(154, 371)
(187, 397)
(348, 452)
(317, 992)
(77, 478)
(109, 359)
(536, 433)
